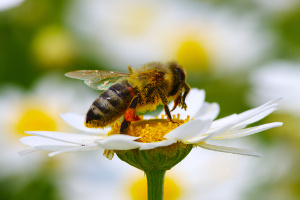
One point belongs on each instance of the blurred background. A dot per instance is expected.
(243, 53)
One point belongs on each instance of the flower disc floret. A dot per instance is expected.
(152, 130)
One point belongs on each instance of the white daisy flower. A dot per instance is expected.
(153, 133)
(277, 78)
(198, 36)
(35, 110)
(7, 4)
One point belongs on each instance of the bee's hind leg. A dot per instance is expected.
(125, 127)
(129, 116)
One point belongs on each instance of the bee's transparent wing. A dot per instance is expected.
(97, 79)
(88, 74)
(101, 83)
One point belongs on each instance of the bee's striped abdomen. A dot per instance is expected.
(110, 105)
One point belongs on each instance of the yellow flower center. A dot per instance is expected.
(193, 55)
(152, 130)
(35, 120)
(139, 189)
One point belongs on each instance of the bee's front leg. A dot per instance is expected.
(186, 91)
(165, 103)
(129, 116)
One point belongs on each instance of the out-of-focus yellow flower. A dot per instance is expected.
(138, 189)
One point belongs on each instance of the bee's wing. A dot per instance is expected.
(87, 74)
(97, 79)
(101, 83)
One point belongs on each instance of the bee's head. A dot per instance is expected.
(179, 78)
(180, 73)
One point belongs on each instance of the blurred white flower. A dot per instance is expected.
(7, 4)
(36, 110)
(198, 36)
(277, 79)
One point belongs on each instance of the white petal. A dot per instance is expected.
(77, 121)
(265, 108)
(210, 134)
(208, 111)
(41, 143)
(27, 151)
(262, 114)
(233, 150)
(189, 130)
(153, 145)
(255, 116)
(67, 137)
(243, 119)
(74, 149)
(38, 141)
(194, 102)
(272, 103)
(119, 142)
(245, 132)
(55, 147)
(46, 143)
(224, 121)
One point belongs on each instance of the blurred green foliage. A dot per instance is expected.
(18, 28)
(37, 186)
(287, 26)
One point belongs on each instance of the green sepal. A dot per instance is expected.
(160, 158)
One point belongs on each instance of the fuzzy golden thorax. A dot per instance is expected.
(157, 83)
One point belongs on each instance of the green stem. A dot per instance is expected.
(155, 184)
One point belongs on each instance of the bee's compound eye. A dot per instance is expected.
(180, 73)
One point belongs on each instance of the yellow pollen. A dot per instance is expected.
(152, 130)
(188, 118)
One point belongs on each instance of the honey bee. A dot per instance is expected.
(126, 94)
